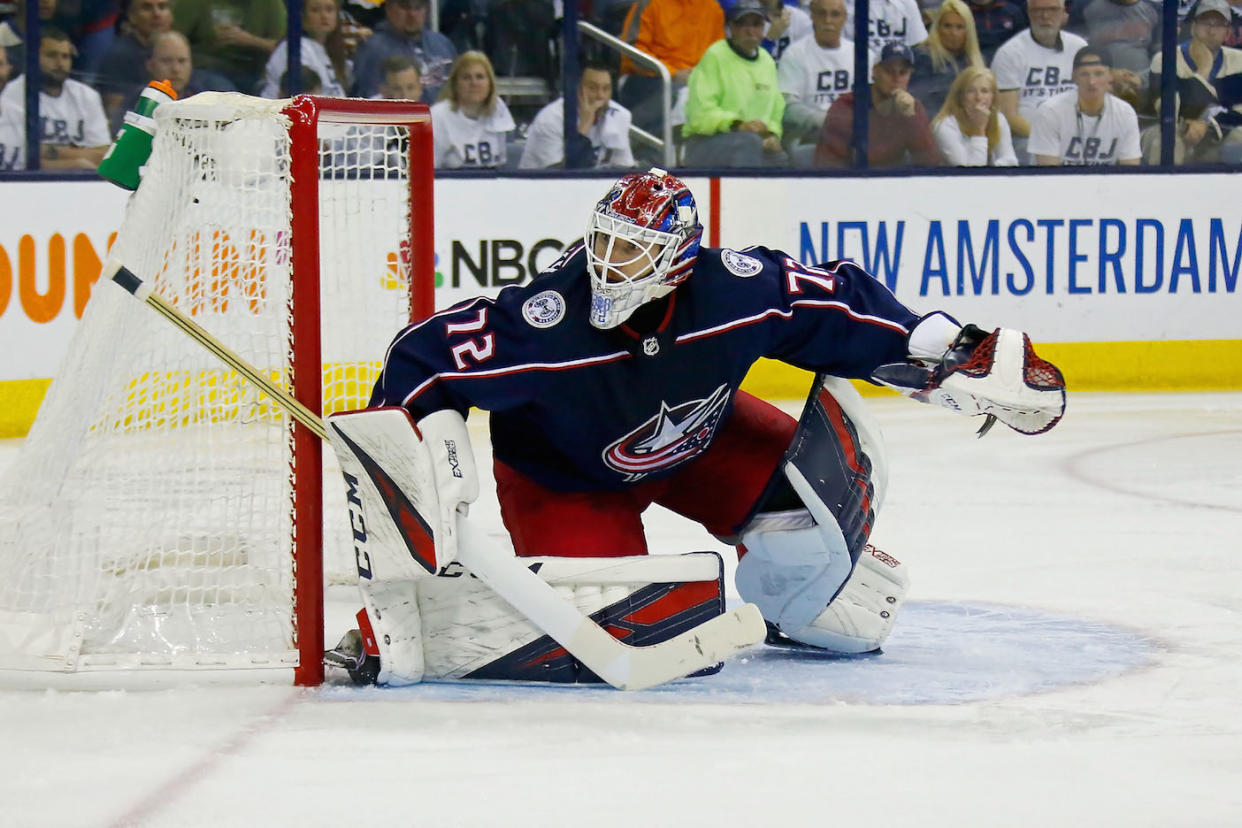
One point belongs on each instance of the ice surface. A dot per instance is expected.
(1070, 656)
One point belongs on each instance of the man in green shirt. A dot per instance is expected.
(733, 113)
(232, 37)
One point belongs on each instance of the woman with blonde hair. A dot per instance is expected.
(969, 130)
(952, 44)
(470, 123)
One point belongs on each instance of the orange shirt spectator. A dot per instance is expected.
(677, 32)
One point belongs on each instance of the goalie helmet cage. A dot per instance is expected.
(162, 513)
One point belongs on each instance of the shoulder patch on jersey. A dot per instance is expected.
(739, 264)
(543, 310)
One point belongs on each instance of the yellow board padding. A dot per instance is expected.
(19, 401)
(1181, 365)
(171, 399)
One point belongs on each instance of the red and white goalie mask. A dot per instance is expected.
(641, 242)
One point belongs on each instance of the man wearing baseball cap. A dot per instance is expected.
(1087, 126)
(898, 130)
(1209, 92)
(733, 112)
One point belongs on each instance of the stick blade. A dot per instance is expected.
(705, 645)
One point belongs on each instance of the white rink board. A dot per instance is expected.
(493, 232)
(1051, 254)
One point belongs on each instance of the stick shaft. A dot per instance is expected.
(126, 279)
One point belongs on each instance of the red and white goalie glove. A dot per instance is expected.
(997, 374)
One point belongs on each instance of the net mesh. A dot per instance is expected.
(148, 519)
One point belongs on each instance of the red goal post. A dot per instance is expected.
(306, 114)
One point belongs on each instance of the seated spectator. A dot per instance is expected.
(898, 132)
(75, 129)
(950, 47)
(1087, 126)
(402, 80)
(1128, 29)
(1209, 93)
(232, 37)
(323, 50)
(969, 130)
(734, 109)
(1233, 37)
(603, 137)
(89, 25)
(892, 21)
(382, 149)
(787, 24)
(470, 123)
(1033, 66)
(995, 22)
(309, 84)
(676, 33)
(12, 129)
(171, 60)
(404, 32)
(814, 72)
(124, 66)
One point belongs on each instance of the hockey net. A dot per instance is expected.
(162, 512)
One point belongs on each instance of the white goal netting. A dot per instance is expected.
(148, 520)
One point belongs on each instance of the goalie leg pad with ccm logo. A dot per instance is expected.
(406, 486)
(470, 633)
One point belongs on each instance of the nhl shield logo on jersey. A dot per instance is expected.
(739, 264)
(672, 436)
(543, 310)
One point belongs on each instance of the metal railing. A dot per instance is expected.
(666, 86)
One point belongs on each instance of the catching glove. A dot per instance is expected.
(997, 374)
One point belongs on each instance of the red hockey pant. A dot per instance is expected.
(718, 489)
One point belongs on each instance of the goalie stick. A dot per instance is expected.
(623, 666)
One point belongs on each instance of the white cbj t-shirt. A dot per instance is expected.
(314, 57)
(1061, 130)
(461, 141)
(815, 76)
(1036, 71)
(609, 136)
(891, 20)
(12, 140)
(74, 118)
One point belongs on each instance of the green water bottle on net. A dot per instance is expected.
(129, 152)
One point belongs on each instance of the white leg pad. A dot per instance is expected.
(861, 617)
(404, 488)
(468, 628)
(392, 609)
(792, 566)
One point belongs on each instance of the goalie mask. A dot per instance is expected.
(641, 242)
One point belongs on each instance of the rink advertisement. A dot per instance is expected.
(1125, 279)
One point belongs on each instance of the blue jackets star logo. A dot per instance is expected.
(672, 436)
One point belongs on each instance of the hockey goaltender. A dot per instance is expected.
(612, 381)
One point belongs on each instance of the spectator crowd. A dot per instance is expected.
(754, 83)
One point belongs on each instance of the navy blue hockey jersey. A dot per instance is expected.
(581, 409)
